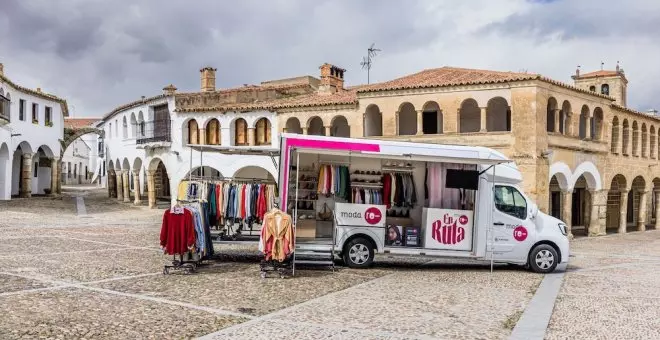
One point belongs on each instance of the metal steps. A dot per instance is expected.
(313, 257)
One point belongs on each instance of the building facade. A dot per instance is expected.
(585, 156)
(31, 127)
(76, 168)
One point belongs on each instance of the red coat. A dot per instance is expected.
(177, 234)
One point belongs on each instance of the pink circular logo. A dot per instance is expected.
(373, 215)
(520, 233)
(463, 219)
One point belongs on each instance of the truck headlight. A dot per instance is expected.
(562, 228)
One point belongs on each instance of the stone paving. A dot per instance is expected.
(99, 276)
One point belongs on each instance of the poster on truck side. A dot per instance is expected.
(448, 229)
(360, 215)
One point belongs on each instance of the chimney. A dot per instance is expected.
(39, 89)
(169, 90)
(332, 78)
(2, 69)
(208, 79)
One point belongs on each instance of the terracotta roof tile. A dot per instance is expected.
(448, 76)
(64, 106)
(601, 73)
(77, 123)
(639, 113)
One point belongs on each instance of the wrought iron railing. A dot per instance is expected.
(154, 131)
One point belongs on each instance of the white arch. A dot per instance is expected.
(563, 173)
(591, 174)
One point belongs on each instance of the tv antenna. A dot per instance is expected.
(368, 60)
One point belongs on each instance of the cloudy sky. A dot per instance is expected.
(100, 54)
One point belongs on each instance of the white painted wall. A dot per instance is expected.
(31, 135)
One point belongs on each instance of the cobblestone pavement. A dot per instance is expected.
(611, 289)
(99, 276)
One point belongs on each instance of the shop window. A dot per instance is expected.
(240, 134)
(263, 132)
(510, 201)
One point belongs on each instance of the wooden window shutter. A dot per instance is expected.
(193, 132)
(241, 132)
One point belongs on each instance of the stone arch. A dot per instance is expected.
(584, 118)
(293, 126)
(551, 110)
(254, 172)
(204, 171)
(653, 144)
(563, 175)
(597, 124)
(615, 205)
(192, 129)
(315, 126)
(590, 173)
(625, 139)
(137, 164)
(71, 135)
(5, 171)
(134, 125)
(339, 127)
(263, 132)
(639, 204)
(161, 180)
(47, 152)
(432, 118)
(213, 132)
(111, 165)
(565, 121)
(240, 129)
(614, 143)
(373, 121)
(469, 116)
(407, 119)
(635, 139)
(118, 164)
(125, 165)
(645, 141)
(498, 115)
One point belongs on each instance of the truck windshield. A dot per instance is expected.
(510, 201)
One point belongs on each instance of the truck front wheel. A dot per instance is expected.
(543, 259)
(358, 253)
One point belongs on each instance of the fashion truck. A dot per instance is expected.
(360, 197)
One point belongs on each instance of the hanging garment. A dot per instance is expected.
(277, 235)
(182, 191)
(177, 232)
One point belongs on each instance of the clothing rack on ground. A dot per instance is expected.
(184, 233)
(233, 205)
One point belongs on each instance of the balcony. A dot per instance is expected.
(154, 133)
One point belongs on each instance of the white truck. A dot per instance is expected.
(413, 199)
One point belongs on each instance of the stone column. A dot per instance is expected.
(420, 122)
(202, 137)
(136, 185)
(598, 212)
(328, 130)
(556, 115)
(568, 125)
(120, 185)
(54, 170)
(151, 188)
(587, 131)
(26, 175)
(396, 121)
(251, 136)
(304, 130)
(567, 210)
(657, 209)
(643, 209)
(623, 212)
(483, 119)
(127, 185)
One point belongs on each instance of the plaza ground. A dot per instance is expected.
(98, 275)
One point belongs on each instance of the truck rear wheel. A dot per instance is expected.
(358, 253)
(543, 259)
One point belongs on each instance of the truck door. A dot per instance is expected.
(512, 227)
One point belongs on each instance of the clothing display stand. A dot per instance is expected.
(283, 269)
(188, 267)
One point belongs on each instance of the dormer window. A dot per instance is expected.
(605, 89)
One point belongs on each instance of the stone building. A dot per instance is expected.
(31, 127)
(585, 156)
